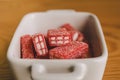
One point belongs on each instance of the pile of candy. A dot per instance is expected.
(62, 43)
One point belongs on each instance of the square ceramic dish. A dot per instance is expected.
(65, 69)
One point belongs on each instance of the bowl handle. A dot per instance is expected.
(39, 72)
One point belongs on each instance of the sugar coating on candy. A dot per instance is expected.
(58, 37)
(40, 45)
(72, 50)
(58, 32)
(27, 50)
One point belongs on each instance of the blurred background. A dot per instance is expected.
(12, 11)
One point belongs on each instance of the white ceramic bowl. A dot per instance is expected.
(46, 69)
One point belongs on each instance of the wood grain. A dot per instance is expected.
(11, 12)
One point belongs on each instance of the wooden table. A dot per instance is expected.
(11, 12)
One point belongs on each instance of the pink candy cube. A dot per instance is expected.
(27, 50)
(58, 37)
(76, 35)
(40, 45)
(68, 27)
(72, 50)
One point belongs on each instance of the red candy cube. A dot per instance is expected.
(72, 50)
(58, 37)
(27, 50)
(68, 27)
(72, 31)
(40, 45)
